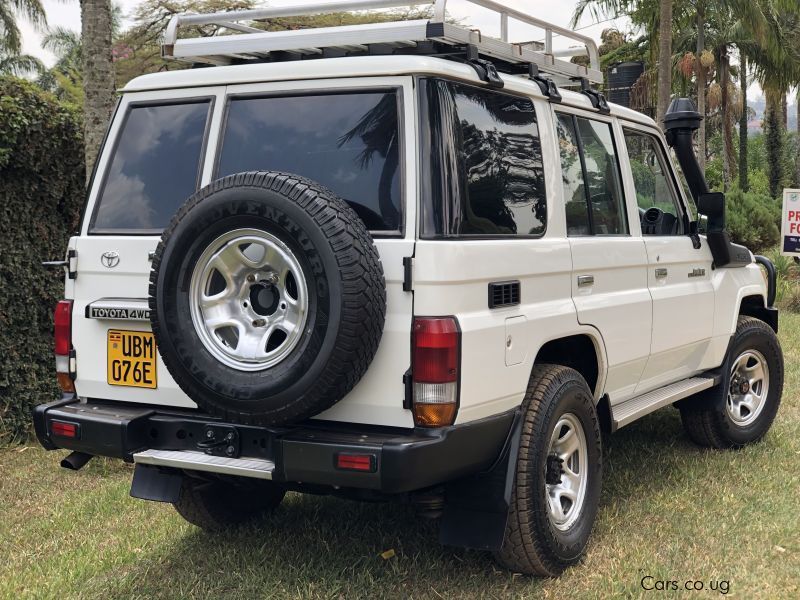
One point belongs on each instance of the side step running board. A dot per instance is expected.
(627, 412)
(198, 461)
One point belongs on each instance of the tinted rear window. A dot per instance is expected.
(349, 143)
(155, 167)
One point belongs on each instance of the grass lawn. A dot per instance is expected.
(669, 510)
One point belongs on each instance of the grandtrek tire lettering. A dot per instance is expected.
(255, 230)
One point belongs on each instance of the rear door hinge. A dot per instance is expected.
(70, 264)
(408, 273)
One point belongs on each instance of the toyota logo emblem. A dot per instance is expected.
(109, 259)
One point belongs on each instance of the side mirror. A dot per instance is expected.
(712, 205)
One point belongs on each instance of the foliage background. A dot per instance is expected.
(41, 194)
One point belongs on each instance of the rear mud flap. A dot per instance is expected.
(476, 508)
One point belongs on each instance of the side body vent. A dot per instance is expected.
(503, 293)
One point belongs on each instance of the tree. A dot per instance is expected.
(10, 35)
(744, 184)
(98, 75)
(19, 65)
(65, 78)
(664, 59)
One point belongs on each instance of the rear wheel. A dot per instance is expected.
(217, 505)
(558, 475)
(739, 410)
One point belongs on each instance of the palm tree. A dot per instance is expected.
(19, 65)
(97, 24)
(775, 57)
(664, 58)
(10, 35)
(65, 78)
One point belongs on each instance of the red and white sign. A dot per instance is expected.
(790, 223)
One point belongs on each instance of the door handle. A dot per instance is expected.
(661, 273)
(585, 280)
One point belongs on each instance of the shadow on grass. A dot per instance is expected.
(329, 546)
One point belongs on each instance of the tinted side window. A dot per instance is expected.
(590, 144)
(350, 143)
(572, 177)
(155, 167)
(484, 153)
(652, 183)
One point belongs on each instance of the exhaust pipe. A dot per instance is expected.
(680, 123)
(76, 460)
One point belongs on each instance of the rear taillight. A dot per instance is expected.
(65, 359)
(435, 364)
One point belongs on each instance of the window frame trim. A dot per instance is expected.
(610, 121)
(398, 90)
(209, 99)
(677, 188)
(423, 107)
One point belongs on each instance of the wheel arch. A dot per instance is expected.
(583, 352)
(754, 305)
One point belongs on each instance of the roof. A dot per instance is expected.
(350, 67)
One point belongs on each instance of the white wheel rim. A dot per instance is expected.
(568, 448)
(248, 300)
(749, 386)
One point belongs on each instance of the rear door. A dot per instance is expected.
(609, 263)
(158, 152)
(351, 137)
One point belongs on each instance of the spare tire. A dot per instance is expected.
(267, 298)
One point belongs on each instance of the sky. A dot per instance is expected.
(67, 14)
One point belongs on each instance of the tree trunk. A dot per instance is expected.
(664, 59)
(744, 184)
(98, 75)
(701, 88)
(797, 158)
(725, 118)
(773, 140)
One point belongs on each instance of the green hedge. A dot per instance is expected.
(753, 220)
(41, 193)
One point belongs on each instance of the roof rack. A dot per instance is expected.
(429, 37)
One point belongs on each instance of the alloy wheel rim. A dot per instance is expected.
(248, 299)
(566, 472)
(749, 386)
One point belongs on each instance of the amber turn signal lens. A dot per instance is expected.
(65, 382)
(434, 415)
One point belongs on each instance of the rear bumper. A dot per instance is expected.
(404, 459)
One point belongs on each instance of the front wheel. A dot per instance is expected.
(558, 475)
(739, 410)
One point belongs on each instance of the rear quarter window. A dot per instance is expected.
(482, 164)
(347, 142)
(155, 166)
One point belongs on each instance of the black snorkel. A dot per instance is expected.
(680, 123)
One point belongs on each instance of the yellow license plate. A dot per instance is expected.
(131, 358)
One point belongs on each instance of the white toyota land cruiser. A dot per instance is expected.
(399, 261)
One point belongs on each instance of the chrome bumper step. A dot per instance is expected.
(199, 461)
(627, 412)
